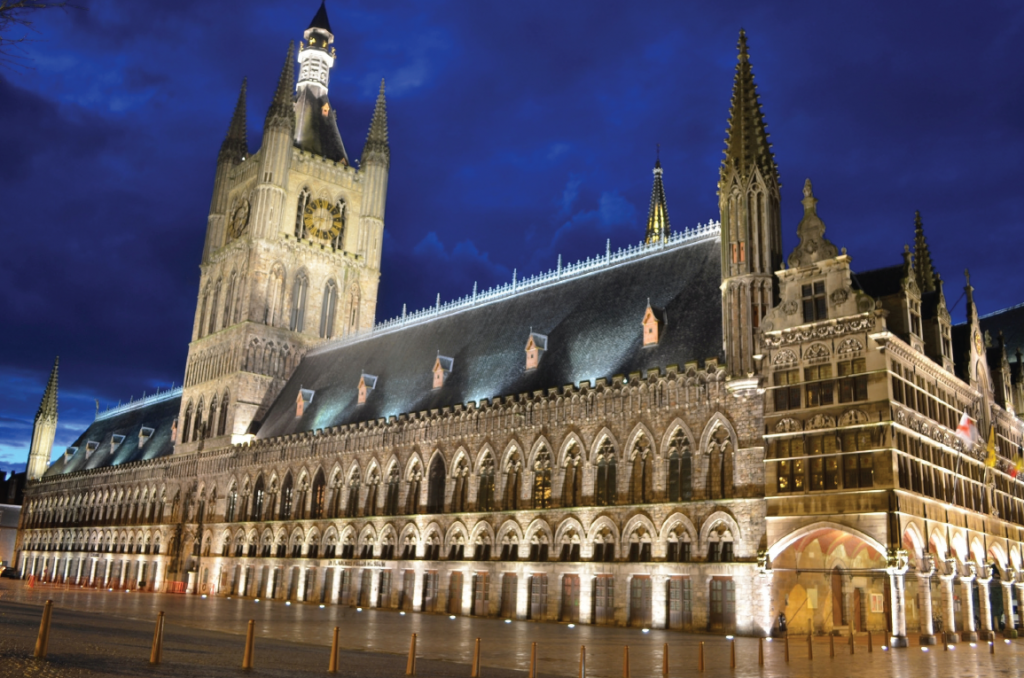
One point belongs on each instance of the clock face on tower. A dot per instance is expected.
(239, 219)
(322, 219)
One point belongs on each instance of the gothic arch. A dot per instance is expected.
(639, 520)
(482, 529)
(670, 431)
(370, 468)
(510, 527)
(712, 521)
(539, 526)
(512, 447)
(717, 419)
(938, 542)
(638, 430)
(367, 533)
(600, 523)
(456, 529)
(566, 525)
(539, 444)
(481, 455)
(572, 438)
(675, 521)
(410, 530)
(602, 435)
(785, 542)
(918, 547)
(275, 297)
(414, 459)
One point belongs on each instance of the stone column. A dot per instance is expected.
(896, 567)
(949, 634)
(659, 603)
(1009, 631)
(924, 588)
(985, 605)
(106, 572)
(300, 593)
(92, 572)
(970, 633)
(243, 572)
(374, 588)
(335, 585)
(268, 593)
(467, 592)
(417, 587)
(78, 574)
(522, 594)
(586, 597)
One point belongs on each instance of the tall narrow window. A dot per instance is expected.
(202, 316)
(298, 319)
(372, 485)
(232, 505)
(211, 420)
(186, 429)
(604, 492)
(643, 471)
(286, 498)
(339, 239)
(814, 302)
(353, 309)
(787, 390)
(330, 303)
(257, 501)
(461, 477)
(319, 495)
(352, 508)
(512, 482)
(542, 479)
(485, 493)
(391, 498)
(275, 297)
(572, 483)
(222, 420)
(212, 325)
(435, 486)
(229, 300)
(300, 227)
(197, 425)
(412, 500)
(680, 468)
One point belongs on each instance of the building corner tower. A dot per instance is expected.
(748, 202)
(44, 429)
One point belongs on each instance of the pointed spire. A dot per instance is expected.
(282, 109)
(377, 138)
(48, 407)
(747, 144)
(813, 245)
(658, 228)
(236, 145)
(923, 269)
(320, 20)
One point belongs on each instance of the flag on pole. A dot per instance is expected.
(1016, 470)
(967, 431)
(990, 460)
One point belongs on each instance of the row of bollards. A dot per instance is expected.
(156, 653)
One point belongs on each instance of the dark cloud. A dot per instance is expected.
(519, 133)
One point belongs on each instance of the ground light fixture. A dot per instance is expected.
(322, 606)
(451, 616)
(256, 601)
(572, 626)
(508, 621)
(288, 603)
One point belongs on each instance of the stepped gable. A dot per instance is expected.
(157, 412)
(592, 321)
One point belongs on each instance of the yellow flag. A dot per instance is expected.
(990, 461)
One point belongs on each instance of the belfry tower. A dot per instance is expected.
(292, 251)
(44, 429)
(748, 201)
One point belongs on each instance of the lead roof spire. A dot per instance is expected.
(48, 407)
(377, 138)
(236, 146)
(747, 142)
(658, 228)
(282, 109)
(923, 269)
(320, 19)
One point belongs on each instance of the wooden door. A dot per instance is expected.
(675, 602)
(838, 619)
(857, 620)
(723, 604)
(430, 580)
(640, 602)
(509, 595)
(571, 598)
(455, 593)
(604, 599)
(408, 590)
(539, 597)
(384, 591)
(481, 596)
(365, 584)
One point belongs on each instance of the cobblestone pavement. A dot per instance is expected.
(109, 633)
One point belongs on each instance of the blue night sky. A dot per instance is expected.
(519, 131)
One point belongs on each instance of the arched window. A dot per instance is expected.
(336, 495)
(513, 482)
(275, 297)
(352, 508)
(202, 316)
(640, 546)
(719, 480)
(679, 546)
(232, 504)
(680, 468)
(319, 492)
(391, 498)
(213, 308)
(542, 479)
(485, 492)
(197, 426)
(372, 484)
(327, 310)
(604, 490)
(286, 497)
(298, 319)
(229, 299)
(257, 501)
(412, 501)
(643, 470)
(211, 420)
(300, 227)
(222, 420)
(435, 486)
(187, 423)
(572, 484)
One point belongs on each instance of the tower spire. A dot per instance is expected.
(923, 269)
(44, 429)
(746, 145)
(377, 146)
(282, 110)
(48, 406)
(236, 146)
(658, 228)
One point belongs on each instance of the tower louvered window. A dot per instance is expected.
(298, 320)
(327, 310)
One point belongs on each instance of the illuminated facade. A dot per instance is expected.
(685, 434)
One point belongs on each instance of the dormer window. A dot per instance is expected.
(915, 318)
(652, 326)
(442, 368)
(814, 302)
(91, 447)
(115, 440)
(302, 401)
(68, 453)
(367, 382)
(145, 433)
(534, 346)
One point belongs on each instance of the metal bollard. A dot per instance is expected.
(664, 662)
(810, 646)
(583, 661)
(851, 641)
(760, 651)
(44, 631)
(475, 671)
(533, 660)
(870, 646)
(732, 653)
(700, 657)
(156, 654)
(249, 637)
(831, 646)
(625, 661)
(332, 667)
(410, 667)
(991, 647)
(787, 648)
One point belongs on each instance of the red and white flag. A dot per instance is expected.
(967, 431)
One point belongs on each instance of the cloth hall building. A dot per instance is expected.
(692, 433)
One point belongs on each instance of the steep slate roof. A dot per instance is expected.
(1009, 321)
(880, 282)
(592, 321)
(157, 413)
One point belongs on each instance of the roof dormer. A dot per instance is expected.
(535, 345)
(115, 440)
(145, 433)
(90, 447)
(367, 382)
(302, 401)
(652, 323)
(442, 368)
